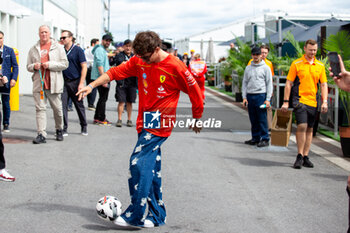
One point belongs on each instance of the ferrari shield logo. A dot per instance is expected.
(145, 84)
(162, 78)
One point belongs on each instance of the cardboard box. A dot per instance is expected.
(281, 128)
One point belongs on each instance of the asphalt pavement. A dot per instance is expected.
(212, 181)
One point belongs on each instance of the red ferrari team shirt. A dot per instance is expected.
(159, 87)
(198, 68)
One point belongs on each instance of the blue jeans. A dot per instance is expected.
(5, 99)
(145, 183)
(258, 117)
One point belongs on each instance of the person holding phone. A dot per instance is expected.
(343, 82)
(265, 49)
(343, 79)
(257, 92)
(301, 85)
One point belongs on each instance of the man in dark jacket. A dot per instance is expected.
(125, 90)
(8, 79)
(8, 68)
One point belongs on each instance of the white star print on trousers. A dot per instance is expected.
(145, 182)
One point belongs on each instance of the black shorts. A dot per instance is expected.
(305, 114)
(125, 94)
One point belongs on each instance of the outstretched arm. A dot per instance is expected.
(104, 78)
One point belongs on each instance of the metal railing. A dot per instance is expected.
(327, 120)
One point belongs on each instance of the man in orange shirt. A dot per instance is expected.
(302, 79)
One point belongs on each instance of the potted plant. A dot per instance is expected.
(210, 75)
(226, 73)
(238, 60)
(228, 83)
(340, 43)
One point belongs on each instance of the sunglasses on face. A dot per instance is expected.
(146, 58)
(63, 37)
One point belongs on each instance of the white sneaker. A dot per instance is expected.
(121, 222)
(148, 224)
(5, 176)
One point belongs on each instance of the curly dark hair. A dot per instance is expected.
(146, 42)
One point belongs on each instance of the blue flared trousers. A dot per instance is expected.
(145, 183)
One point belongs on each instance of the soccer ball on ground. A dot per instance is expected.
(109, 208)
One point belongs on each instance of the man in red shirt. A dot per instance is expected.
(161, 77)
(198, 68)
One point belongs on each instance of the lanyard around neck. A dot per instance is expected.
(70, 50)
(42, 79)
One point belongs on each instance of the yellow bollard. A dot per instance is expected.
(14, 92)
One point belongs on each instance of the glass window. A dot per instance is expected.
(35, 5)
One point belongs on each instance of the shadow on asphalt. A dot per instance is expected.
(258, 162)
(47, 207)
(96, 228)
(218, 139)
(86, 213)
(331, 176)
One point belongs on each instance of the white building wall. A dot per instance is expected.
(59, 19)
(218, 35)
(90, 20)
(21, 26)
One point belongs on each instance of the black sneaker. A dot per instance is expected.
(6, 128)
(59, 134)
(251, 142)
(298, 162)
(307, 162)
(91, 107)
(84, 131)
(39, 139)
(263, 143)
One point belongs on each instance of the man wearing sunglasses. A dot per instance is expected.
(161, 77)
(74, 79)
(46, 60)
